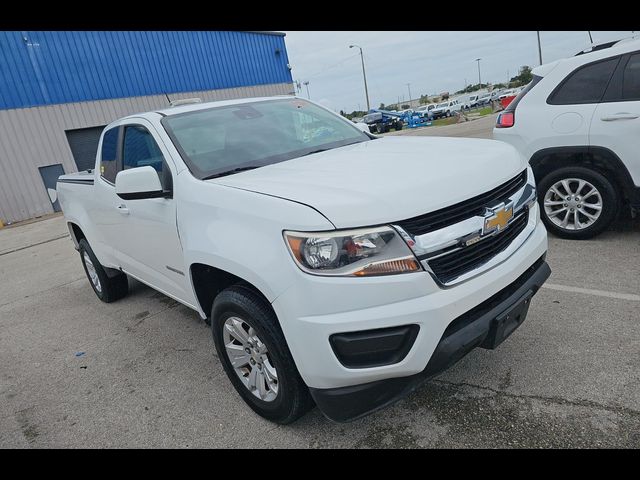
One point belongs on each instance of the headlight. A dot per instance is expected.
(361, 252)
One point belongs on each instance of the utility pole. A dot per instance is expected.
(539, 47)
(479, 79)
(306, 84)
(364, 75)
(590, 38)
(409, 88)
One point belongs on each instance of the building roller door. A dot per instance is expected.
(84, 145)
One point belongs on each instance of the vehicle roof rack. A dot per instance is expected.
(595, 48)
(185, 101)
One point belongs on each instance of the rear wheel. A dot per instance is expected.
(577, 202)
(108, 285)
(255, 355)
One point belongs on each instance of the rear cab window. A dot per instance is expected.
(108, 155)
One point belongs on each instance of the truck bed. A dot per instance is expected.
(84, 177)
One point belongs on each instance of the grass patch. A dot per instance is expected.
(444, 121)
(485, 111)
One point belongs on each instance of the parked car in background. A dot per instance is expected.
(425, 111)
(578, 125)
(473, 101)
(464, 102)
(382, 121)
(484, 99)
(446, 109)
(328, 274)
(507, 93)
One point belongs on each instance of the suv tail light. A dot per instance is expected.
(505, 120)
(508, 117)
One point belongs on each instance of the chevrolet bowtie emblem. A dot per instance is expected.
(497, 218)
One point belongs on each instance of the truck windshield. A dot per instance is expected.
(225, 140)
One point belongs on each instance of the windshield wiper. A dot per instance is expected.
(315, 151)
(325, 149)
(231, 172)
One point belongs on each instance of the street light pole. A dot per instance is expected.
(409, 88)
(306, 84)
(479, 79)
(364, 75)
(539, 47)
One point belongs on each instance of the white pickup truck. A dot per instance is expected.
(334, 266)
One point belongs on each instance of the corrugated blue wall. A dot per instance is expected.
(43, 68)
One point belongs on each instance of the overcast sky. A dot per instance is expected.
(432, 62)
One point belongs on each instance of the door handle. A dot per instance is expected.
(620, 116)
(123, 209)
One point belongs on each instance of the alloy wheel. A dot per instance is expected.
(250, 359)
(573, 204)
(93, 275)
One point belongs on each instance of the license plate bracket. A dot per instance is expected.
(507, 322)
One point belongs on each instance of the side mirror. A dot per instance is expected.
(363, 126)
(138, 183)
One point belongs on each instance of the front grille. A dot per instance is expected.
(451, 266)
(463, 210)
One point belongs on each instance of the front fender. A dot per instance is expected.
(240, 232)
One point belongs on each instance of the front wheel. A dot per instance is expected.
(577, 203)
(255, 356)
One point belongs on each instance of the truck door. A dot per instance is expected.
(147, 240)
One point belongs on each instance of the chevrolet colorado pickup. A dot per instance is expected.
(334, 267)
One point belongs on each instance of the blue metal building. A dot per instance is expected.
(59, 89)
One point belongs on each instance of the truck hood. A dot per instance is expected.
(386, 180)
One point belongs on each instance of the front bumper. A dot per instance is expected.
(315, 308)
(480, 327)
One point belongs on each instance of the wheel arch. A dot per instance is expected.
(600, 159)
(208, 281)
(76, 234)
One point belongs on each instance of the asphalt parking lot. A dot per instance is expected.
(141, 372)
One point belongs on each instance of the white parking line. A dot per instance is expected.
(588, 291)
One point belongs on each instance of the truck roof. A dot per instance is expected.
(192, 107)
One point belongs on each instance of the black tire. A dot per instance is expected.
(398, 126)
(113, 285)
(379, 128)
(448, 113)
(610, 201)
(293, 399)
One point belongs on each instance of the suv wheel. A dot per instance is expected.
(255, 356)
(577, 202)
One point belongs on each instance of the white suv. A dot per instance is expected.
(578, 124)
